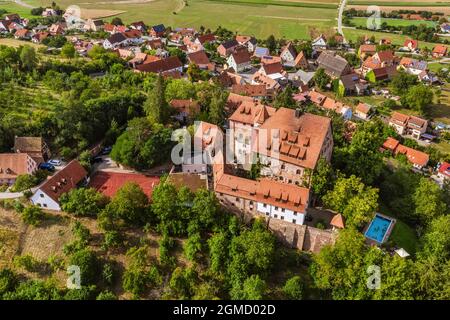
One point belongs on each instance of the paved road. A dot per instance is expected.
(23, 4)
(341, 11)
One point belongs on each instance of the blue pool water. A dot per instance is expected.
(378, 228)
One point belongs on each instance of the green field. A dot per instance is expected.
(404, 4)
(261, 18)
(362, 22)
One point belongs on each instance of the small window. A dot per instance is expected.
(237, 199)
(295, 213)
(45, 205)
(41, 195)
(282, 210)
(282, 166)
(275, 216)
(282, 218)
(264, 205)
(294, 221)
(276, 208)
(298, 171)
(251, 202)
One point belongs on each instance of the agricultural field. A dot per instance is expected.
(362, 22)
(261, 18)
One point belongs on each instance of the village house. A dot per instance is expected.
(39, 37)
(379, 60)
(139, 25)
(185, 109)
(49, 12)
(23, 34)
(200, 59)
(261, 52)
(68, 178)
(408, 125)
(157, 31)
(366, 50)
(330, 104)
(300, 78)
(353, 84)
(257, 91)
(35, 147)
(239, 61)
(288, 54)
(319, 43)
(410, 45)
(134, 37)
(170, 65)
(57, 28)
(417, 158)
(227, 47)
(270, 59)
(412, 66)
(334, 65)
(115, 41)
(205, 38)
(363, 111)
(272, 85)
(439, 51)
(247, 41)
(444, 171)
(273, 70)
(301, 62)
(94, 25)
(14, 164)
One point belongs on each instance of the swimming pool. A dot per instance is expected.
(378, 228)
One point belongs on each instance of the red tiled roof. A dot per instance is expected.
(64, 180)
(163, 65)
(13, 164)
(440, 49)
(108, 183)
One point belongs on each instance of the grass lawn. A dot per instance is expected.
(17, 43)
(12, 7)
(361, 21)
(404, 237)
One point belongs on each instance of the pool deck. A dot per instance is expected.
(386, 235)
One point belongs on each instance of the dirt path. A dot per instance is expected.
(23, 4)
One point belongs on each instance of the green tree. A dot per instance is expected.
(32, 215)
(8, 281)
(88, 263)
(285, 99)
(156, 106)
(83, 202)
(353, 199)
(24, 182)
(254, 288)
(429, 200)
(193, 246)
(322, 178)
(419, 98)
(293, 288)
(402, 82)
(321, 79)
(218, 252)
(68, 50)
(106, 295)
(271, 43)
(28, 58)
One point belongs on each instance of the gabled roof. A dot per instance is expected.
(272, 68)
(28, 144)
(230, 44)
(205, 38)
(64, 180)
(198, 57)
(338, 221)
(252, 112)
(13, 164)
(117, 38)
(444, 169)
(399, 118)
(188, 106)
(290, 47)
(334, 64)
(159, 28)
(251, 90)
(162, 65)
(241, 56)
(440, 49)
(363, 108)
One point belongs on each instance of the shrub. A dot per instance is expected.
(293, 289)
(32, 215)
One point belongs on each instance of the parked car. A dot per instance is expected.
(97, 160)
(106, 150)
(55, 162)
(47, 166)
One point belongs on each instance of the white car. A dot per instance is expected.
(55, 162)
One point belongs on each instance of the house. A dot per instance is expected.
(186, 109)
(163, 66)
(301, 78)
(334, 65)
(408, 125)
(363, 110)
(251, 90)
(201, 60)
(155, 44)
(94, 25)
(417, 158)
(380, 59)
(261, 52)
(439, 51)
(49, 12)
(381, 73)
(116, 40)
(23, 34)
(226, 48)
(247, 41)
(68, 178)
(239, 61)
(289, 143)
(35, 147)
(270, 60)
(271, 85)
(226, 79)
(366, 50)
(57, 29)
(352, 84)
(272, 70)
(330, 104)
(14, 164)
(4, 25)
(205, 38)
(288, 54)
(12, 17)
(444, 171)
(39, 37)
(158, 30)
(301, 62)
(385, 41)
(134, 37)
(14, 26)
(139, 25)
(319, 43)
(108, 183)
(412, 66)
(410, 45)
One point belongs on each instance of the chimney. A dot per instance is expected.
(298, 113)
